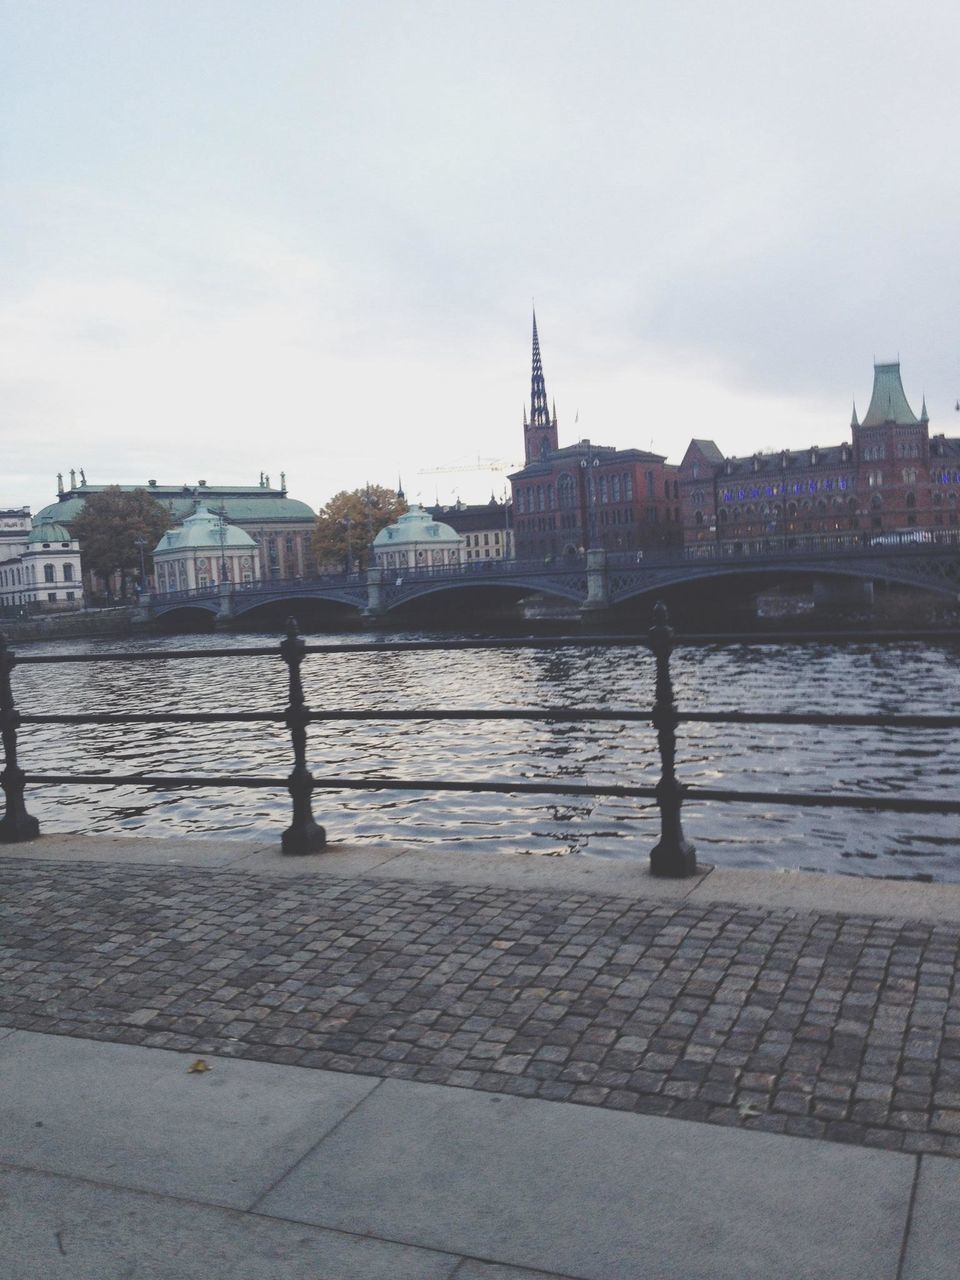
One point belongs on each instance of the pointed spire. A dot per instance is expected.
(524, 413)
(539, 414)
(924, 416)
(853, 420)
(400, 493)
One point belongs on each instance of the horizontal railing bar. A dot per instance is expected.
(815, 719)
(819, 800)
(538, 714)
(174, 781)
(889, 804)
(147, 655)
(524, 642)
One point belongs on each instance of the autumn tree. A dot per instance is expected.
(110, 525)
(348, 524)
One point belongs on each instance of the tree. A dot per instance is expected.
(348, 524)
(109, 526)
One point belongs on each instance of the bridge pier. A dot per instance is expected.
(598, 587)
(224, 615)
(375, 603)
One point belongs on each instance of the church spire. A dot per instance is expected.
(539, 413)
(853, 420)
(540, 433)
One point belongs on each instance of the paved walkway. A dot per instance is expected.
(449, 1067)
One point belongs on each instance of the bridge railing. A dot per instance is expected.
(673, 855)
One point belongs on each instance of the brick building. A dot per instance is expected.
(890, 478)
(584, 495)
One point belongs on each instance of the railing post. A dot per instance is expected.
(303, 835)
(16, 825)
(674, 856)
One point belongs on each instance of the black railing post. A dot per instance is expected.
(674, 856)
(303, 835)
(16, 825)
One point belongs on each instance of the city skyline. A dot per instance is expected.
(234, 246)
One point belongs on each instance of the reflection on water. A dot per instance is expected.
(855, 678)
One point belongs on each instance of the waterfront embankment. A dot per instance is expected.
(420, 1064)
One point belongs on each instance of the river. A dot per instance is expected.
(853, 677)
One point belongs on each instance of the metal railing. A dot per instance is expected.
(673, 855)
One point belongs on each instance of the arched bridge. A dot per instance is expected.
(595, 581)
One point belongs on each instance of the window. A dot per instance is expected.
(52, 597)
(566, 493)
(49, 574)
(628, 487)
(71, 595)
(68, 573)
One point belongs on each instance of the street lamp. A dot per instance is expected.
(140, 543)
(223, 556)
(588, 496)
(347, 523)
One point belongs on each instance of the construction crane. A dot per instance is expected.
(481, 464)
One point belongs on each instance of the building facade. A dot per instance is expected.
(204, 551)
(417, 541)
(40, 565)
(281, 526)
(584, 496)
(890, 478)
(486, 528)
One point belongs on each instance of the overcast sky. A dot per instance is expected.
(304, 235)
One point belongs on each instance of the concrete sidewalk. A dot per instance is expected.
(489, 1068)
(117, 1161)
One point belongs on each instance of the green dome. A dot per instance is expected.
(203, 529)
(49, 531)
(417, 525)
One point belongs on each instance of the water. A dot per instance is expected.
(861, 677)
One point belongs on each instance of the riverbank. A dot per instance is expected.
(83, 624)
(425, 1065)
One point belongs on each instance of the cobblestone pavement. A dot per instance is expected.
(827, 1026)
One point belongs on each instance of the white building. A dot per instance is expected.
(417, 541)
(203, 552)
(39, 564)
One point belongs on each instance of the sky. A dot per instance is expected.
(304, 236)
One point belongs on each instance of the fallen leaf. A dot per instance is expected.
(749, 1109)
(199, 1065)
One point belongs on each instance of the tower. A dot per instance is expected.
(540, 432)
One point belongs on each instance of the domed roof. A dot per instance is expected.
(203, 529)
(417, 525)
(48, 531)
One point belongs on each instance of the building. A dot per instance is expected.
(281, 526)
(203, 552)
(486, 527)
(584, 496)
(39, 564)
(417, 541)
(890, 477)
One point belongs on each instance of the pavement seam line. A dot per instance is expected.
(252, 1207)
(177, 1198)
(908, 1223)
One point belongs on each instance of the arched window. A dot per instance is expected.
(68, 573)
(566, 491)
(627, 487)
(49, 573)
